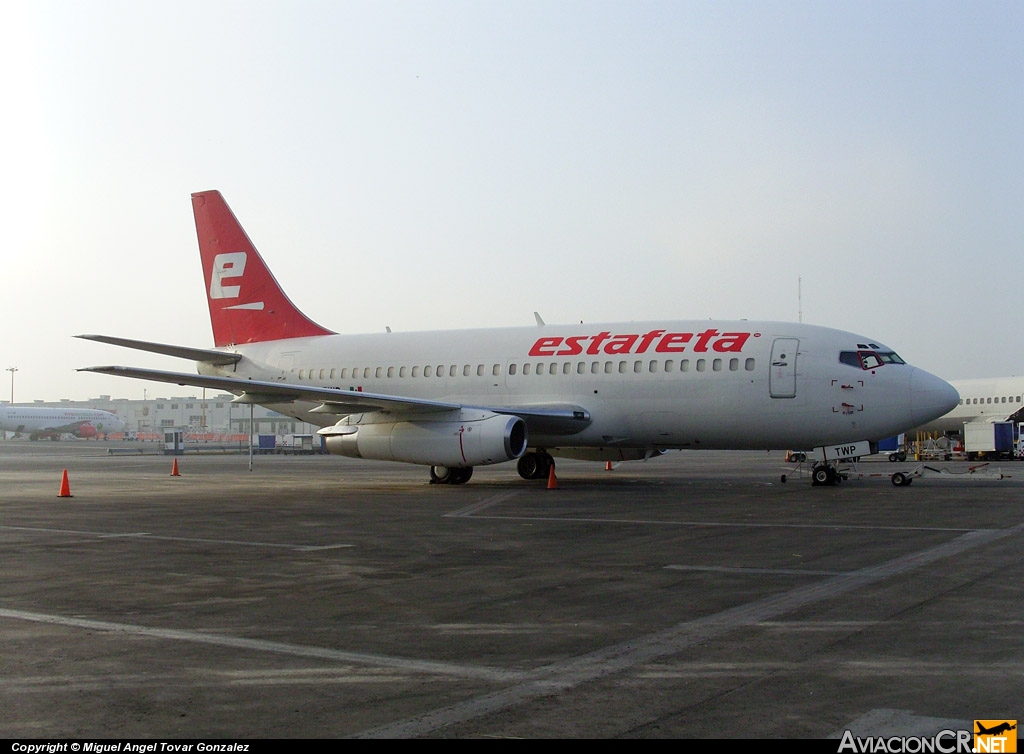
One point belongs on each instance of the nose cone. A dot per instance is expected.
(930, 397)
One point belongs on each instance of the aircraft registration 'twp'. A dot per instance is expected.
(54, 422)
(459, 399)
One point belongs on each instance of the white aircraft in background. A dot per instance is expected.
(994, 399)
(459, 399)
(53, 422)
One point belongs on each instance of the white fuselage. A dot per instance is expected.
(689, 384)
(40, 421)
(991, 399)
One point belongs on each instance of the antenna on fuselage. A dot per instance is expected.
(799, 300)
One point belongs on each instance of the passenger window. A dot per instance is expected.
(511, 369)
(717, 365)
(496, 370)
(428, 371)
(540, 368)
(669, 365)
(479, 370)
(749, 365)
(526, 368)
(700, 365)
(734, 365)
(684, 365)
(638, 366)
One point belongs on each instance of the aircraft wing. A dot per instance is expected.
(563, 419)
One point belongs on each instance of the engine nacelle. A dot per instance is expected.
(474, 438)
(85, 430)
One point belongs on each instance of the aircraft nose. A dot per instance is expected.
(930, 397)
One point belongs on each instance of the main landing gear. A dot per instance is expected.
(531, 466)
(449, 475)
(535, 465)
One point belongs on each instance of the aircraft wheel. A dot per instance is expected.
(441, 475)
(461, 475)
(899, 479)
(823, 475)
(535, 465)
(527, 466)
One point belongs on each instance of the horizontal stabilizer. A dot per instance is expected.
(207, 356)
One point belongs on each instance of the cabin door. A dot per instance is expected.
(782, 378)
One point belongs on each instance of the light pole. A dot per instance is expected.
(12, 370)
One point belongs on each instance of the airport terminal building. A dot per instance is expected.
(212, 418)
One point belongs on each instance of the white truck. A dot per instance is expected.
(989, 440)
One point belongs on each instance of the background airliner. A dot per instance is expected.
(54, 422)
(991, 399)
(458, 399)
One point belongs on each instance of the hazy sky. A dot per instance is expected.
(427, 165)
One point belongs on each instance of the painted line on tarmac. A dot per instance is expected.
(167, 538)
(474, 672)
(771, 571)
(560, 676)
(484, 504)
(717, 524)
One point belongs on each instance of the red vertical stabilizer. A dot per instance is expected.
(246, 303)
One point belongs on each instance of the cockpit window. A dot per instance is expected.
(869, 359)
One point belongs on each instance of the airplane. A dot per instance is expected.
(987, 399)
(459, 399)
(54, 422)
(995, 730)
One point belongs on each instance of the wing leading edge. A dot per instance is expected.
(559, 419)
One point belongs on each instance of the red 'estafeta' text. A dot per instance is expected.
(655, 341)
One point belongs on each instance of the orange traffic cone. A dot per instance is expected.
(552, 481)
(607, 465)
(174, 468)
(65, 487)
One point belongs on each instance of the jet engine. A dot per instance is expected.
(472, 438)
(85, 430)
